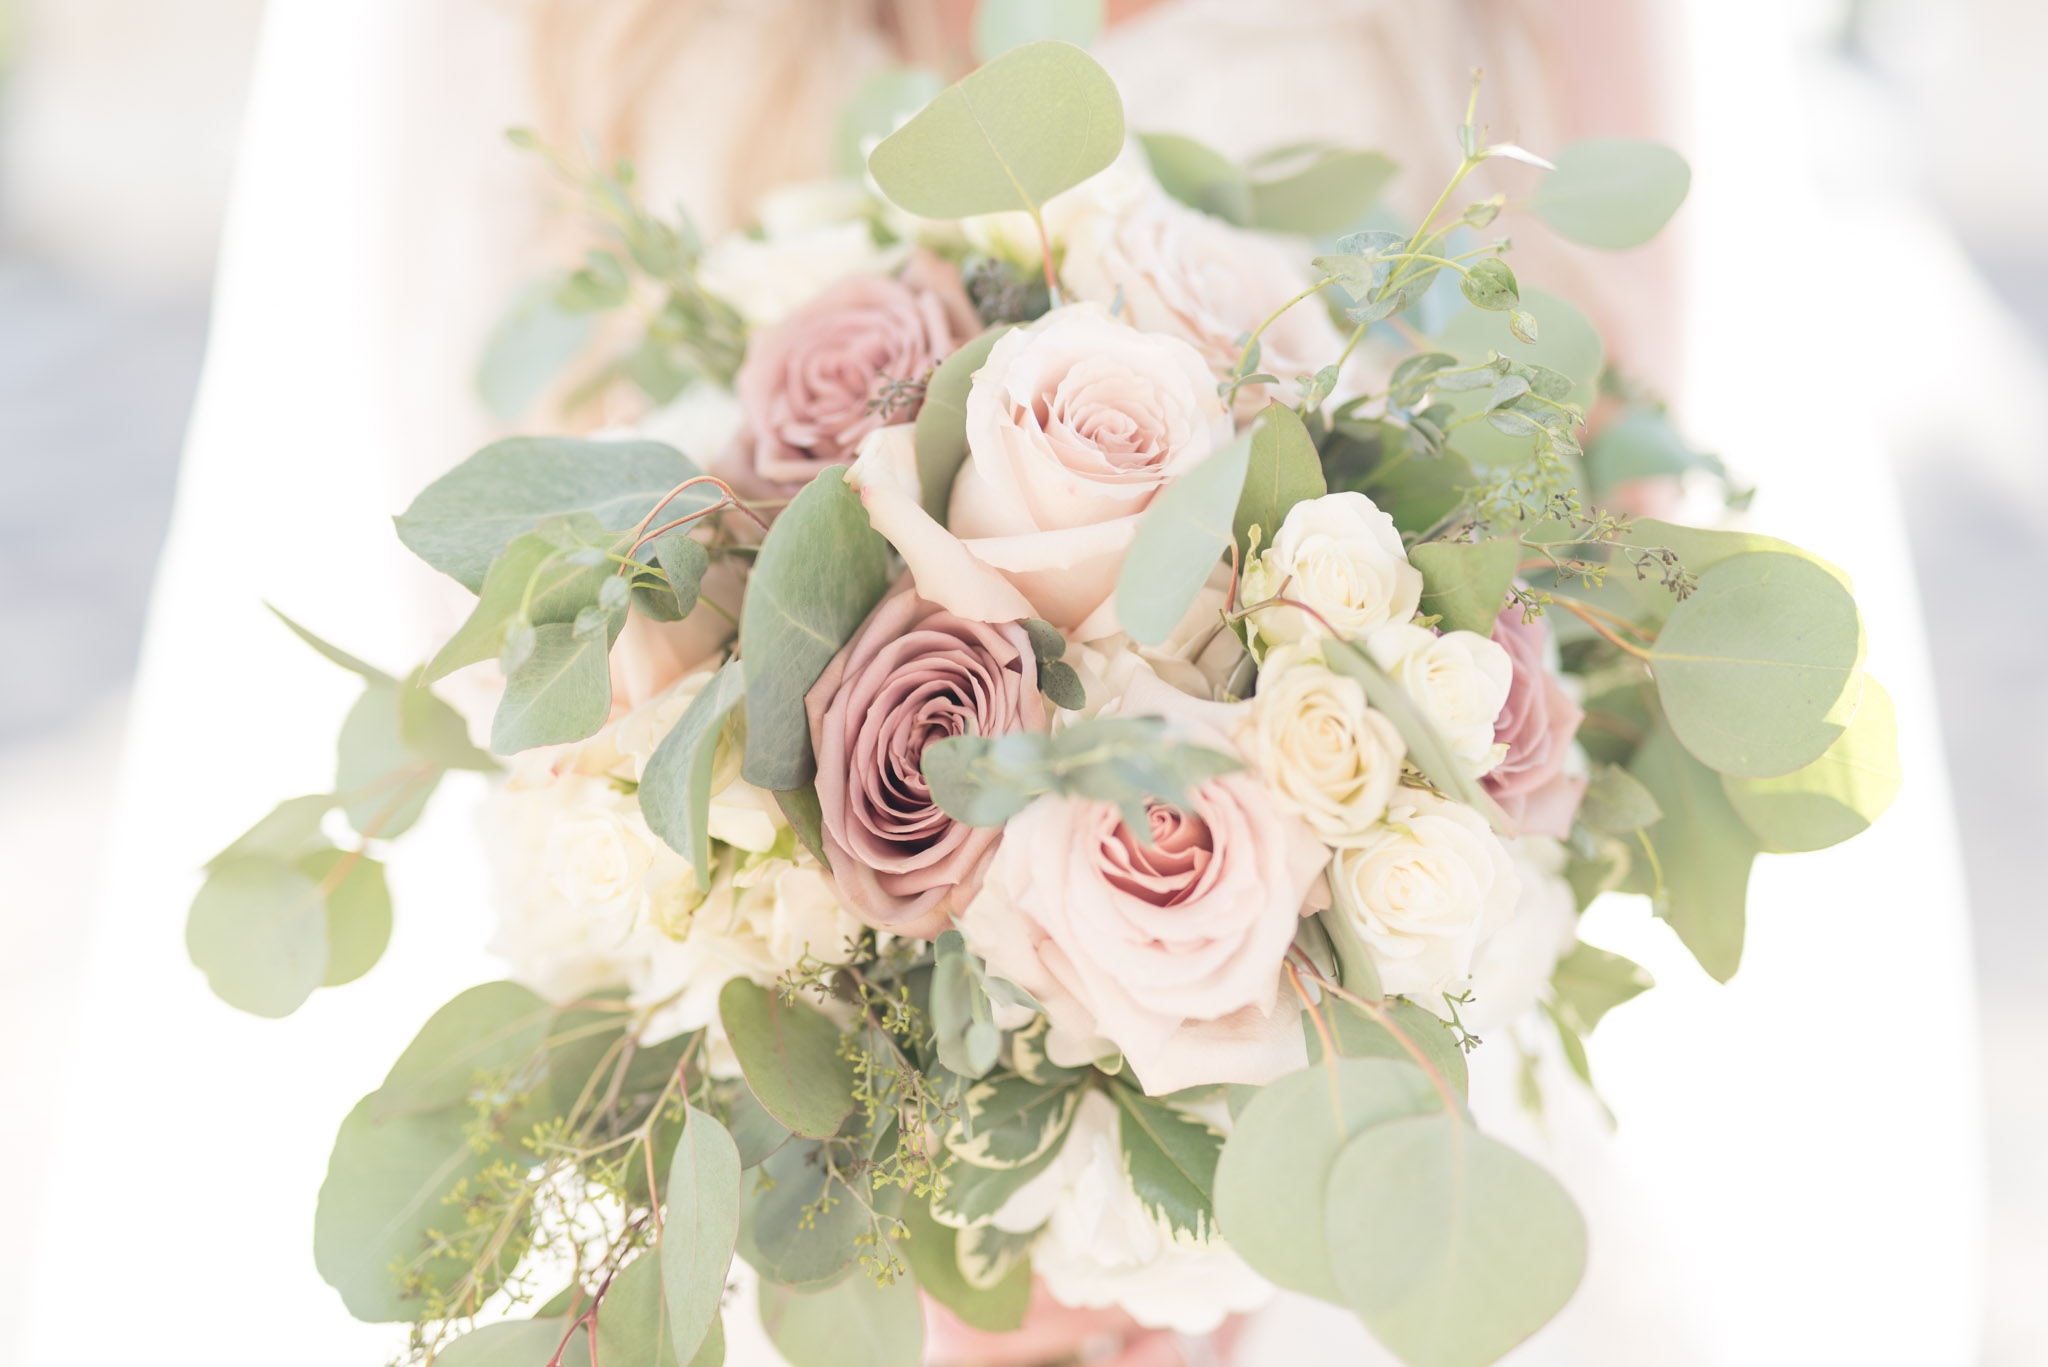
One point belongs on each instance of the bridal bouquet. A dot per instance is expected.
(1051, 797)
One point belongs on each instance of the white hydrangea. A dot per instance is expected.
(1100, 1248)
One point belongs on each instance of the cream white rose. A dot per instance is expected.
(1074, 424)
(594, 856)
(1184, 272)
(1513, 967)
(812, 235)
(1340, 555)
(1459, 681)
(1423, 891)
(1101, 1248)
(1328, 757)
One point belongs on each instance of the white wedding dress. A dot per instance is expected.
(1796, 1174)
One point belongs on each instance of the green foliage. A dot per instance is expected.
(985, 780)
(1590, 982)
(1568, 343)
(1642, 443)
(1037, 120)
(1198, 176)
(371, 674)
(1180, 537)
(287, 831)
(492, 1030)
(1616, 803)
(1701, 852)
(1454, 1248)
(883, 100)
(1757, 668)
(812, 1212)
(962, 1021)
(1170, 1155)
(1358, 1035)
(258, 930)
(791, 1057)
(1466, 582)
(932, 1249)
(383, 783)
(358, 911)
(561, 692)
(1837, 796)
(820, 571)
(465, 519)
(683, 561)
(853, 1324)
(535, 341)
(1614, 193)
(1490, 284)
(941, 431)
(699, 1231)
(1272, 1198)
(1009, 1122)
(675, 788)
(1316, 189)
(1004, 24)
(514, 1343)
(1282, 469)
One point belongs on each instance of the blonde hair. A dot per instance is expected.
(597, 64)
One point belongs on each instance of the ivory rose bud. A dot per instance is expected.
(1536, 724)
(1167, 949)
(1329, 758)
(1193, 275)
(811, 386)
(1340, 555)
(1458, 680)
(1074, 424)
(912, 674)
(1423, 891)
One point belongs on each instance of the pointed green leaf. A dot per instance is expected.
(790, 1055)
(1590, 982)
(1180, 538)
(1170, 1155)
(941, 431)
(333, 652)
(962, 1021)
(675, 788)
(1282, 470)
(1198, 176)
(563, 692)
(683, 559)
(533, 574)
(1037, 120)
(699, 1230)
(1703, 852)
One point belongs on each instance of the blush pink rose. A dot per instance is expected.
(809, 385)
(1537, 725)
(1074, 424)
(1168, 951)
(914, 673)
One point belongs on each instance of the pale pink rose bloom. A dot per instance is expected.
(914, 673)
(1074, 424)
(1169, 952)
(809, 383)
(1537, 725)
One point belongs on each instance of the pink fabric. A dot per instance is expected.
(1537, 725)
(912, 674)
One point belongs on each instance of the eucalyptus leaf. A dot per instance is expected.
(1454, 1248)
(1757, 669)
(1272, 1201)
(489, 1032)
(1006, 24)
(1837, 796)
(806, 816)
(1359, 1036)
(436, 732)
(1334, 190)
(287, 831)
(1616, 803)
(1703, 852)
(790, 1055)
(683, 560)
(1282, 469)
(755, 1133)
(1198, 176)
(258, 930)
(563, 692)
(1490, 284)
(332, 652)
(1639, 443)
(820, 571)
(700, 1228)
(853, 1324)
(941, 432)
(675, 787)
(1179, 539)
(464, 520)
(514, 1343)
(1011, 134)
(358, 911)
(804, 1225)
(1589, 982)
(632, 1321)
(1466, 582)
(884, 100)
(1061, 684)
(932, 1250)
(1170, 1157)
(962, 1021)
(1613, 193)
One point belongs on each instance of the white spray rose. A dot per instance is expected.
(593, 854)
(812, 235)
(1101, 1248)
(1459, 681)
(1340, 555)
(1423, 891)
(1328, 757)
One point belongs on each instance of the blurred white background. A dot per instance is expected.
(118, 121)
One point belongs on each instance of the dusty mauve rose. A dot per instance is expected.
(914, 673)
(1168, 951)
(1537, 725)
(808, 384)
(1074, 424)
